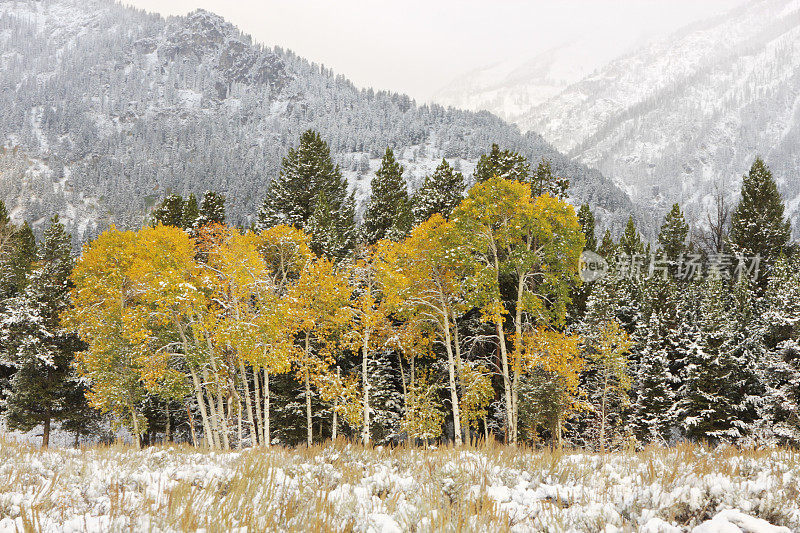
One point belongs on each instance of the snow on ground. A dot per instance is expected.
(346, 487)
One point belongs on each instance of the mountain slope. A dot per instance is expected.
(688, 114)
(105, 109)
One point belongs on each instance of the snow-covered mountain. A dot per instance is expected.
(511, 88)
(105, 109)
(687, 114)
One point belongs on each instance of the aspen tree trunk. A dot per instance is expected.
(403, 379)
(457, 344)
(517, 357)
(198, 389)
(259, 417)
(335, 429)
(224, 419)
(214, 419)
(266, 408)
(168, 429)
(365, 382)
(239, 418)
(511, 436)
(452, 372)
(310, 435)
(136, 436)
(251, 421)
(191, 427)
(603, 413)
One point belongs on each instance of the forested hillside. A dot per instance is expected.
(105, 110)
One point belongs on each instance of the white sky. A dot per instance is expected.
(418, 46)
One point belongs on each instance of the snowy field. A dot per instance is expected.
(341, 488)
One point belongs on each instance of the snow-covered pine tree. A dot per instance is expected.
(169, 212)
(781, 320)
(758, 224)
(631, 242)
(212, 210)
(654, 396)
(308, 173)
(506, 164)
(706, 409)
(607, 248)
(544, 182)
(587, 222)
(40, 350)
(388, 209)
(747, 353)
(191, 210)
(440, 193)
(673, 234)
(16, 260)
(386, 398)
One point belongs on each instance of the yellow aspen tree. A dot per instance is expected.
(319, 300)
(370, 327)
(608, 347)
(427, 274)
(104, 314)
(536, 241)
(285, 250)
(171, 284)
(557, 356)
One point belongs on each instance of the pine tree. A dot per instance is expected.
(387, 209)
(631, 242)
(310, 187)
(34, 342)
(781, 319)
(607, 248)
(16, 261)
(674, 231)
(708, 407)
(212, 210)
(506, 165)
(441, 192)
(587, 222)
(758, 224)
(190, 213)
(169, 212)
(544, 182)
(654, 394)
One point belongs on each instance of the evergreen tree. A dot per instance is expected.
(310, 187)
(707, 409)
(607, 248)
(631, 242)
(441, 192)
(654, 395)
(587, 222)
(169, 212)
(781, 319)
(674, 231)
(544, 182)
(758, 224)
(506, 164)
(16, 261)
(212, 210)
(190, 213)
(332, 230)
(388, 205)
(35, 344)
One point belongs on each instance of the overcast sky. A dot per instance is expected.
(418, 46)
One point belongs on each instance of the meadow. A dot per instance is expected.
(345, 487)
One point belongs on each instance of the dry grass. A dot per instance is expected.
(342, 487)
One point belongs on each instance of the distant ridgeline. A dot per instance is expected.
(106, 110)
